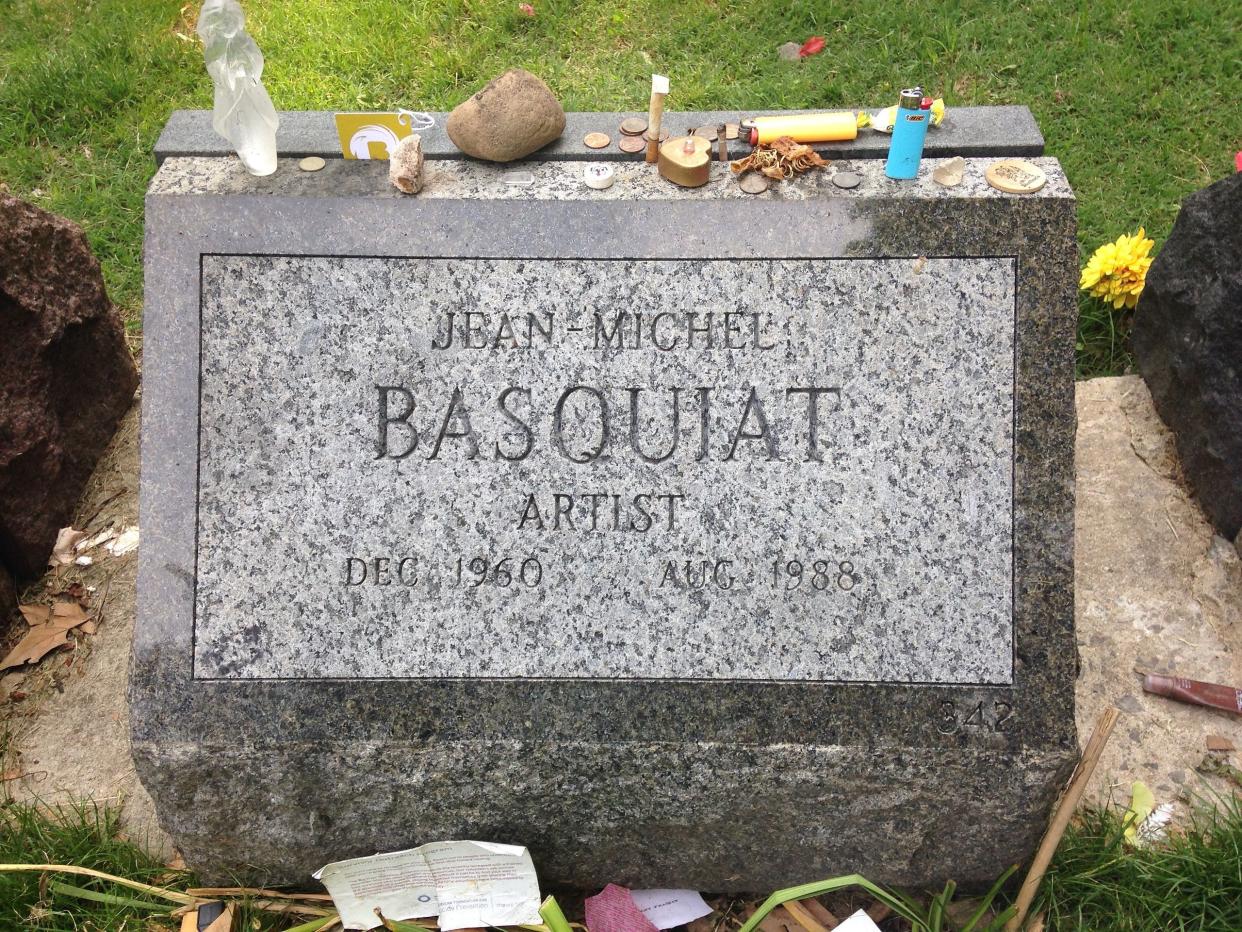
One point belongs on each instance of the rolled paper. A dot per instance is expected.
(806, 127)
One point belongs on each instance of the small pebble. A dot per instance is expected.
(312, 163)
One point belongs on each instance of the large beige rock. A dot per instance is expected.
(1156, 590)
(509, 119)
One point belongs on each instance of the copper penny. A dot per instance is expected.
(631, 144)
(731, 130)
(846, 180)
(663, 135)
(707, 132)
(634, 126)
(753, 183)
(595, 140)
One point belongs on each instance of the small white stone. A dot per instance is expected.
(405, 165)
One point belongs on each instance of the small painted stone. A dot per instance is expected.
(405, 165)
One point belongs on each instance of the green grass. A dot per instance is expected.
(1131, 94)
(1192, 882)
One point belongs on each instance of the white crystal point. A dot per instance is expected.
(244, 114)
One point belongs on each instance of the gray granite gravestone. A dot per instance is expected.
(686, 537)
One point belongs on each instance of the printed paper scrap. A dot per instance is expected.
(468, 884)
(665, 909)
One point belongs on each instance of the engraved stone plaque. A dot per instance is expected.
(689, 537)
(679, 469)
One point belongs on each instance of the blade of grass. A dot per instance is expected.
(110, 898)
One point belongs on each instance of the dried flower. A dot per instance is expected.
(526, 9)
(782, 158)
(1117, 272)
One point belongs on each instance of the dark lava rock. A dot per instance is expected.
(1188, 342)
(66, 377)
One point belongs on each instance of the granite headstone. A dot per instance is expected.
(686, 537)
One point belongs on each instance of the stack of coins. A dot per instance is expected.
(632, 135)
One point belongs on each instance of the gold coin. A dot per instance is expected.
(707, 132)
(631, 144)
(312, 163)
(731, 130)
(1016, 176)
(596, 140)
(634, 126)
(753, 183)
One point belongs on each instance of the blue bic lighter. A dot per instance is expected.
(909, 131)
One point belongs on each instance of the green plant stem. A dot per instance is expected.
(110, 898)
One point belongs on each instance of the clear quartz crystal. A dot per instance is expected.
(244, 114)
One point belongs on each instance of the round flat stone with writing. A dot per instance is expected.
(846, 180)
(1016, 176)
(631, 143)
(312, 163)
(753, 183)
(633, 126)
(596, 140)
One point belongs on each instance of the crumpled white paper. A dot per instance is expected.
(467, 884)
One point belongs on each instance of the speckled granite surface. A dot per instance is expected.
(262, 447)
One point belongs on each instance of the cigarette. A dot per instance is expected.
(655, 113)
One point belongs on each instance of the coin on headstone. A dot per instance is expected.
(731, 130)
(846, 180)
(753, 183)
(707, 132)
(312, 163)
(631, 144)
(663, 134)
(595, 140)
(1016, 176)
(633, 126)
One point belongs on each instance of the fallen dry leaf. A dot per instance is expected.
(1219, 743)
(38, 642)
(62, 552)
(49, 629)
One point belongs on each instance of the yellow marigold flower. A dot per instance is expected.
(1117, 272)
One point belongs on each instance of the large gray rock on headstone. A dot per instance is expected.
(66, 377)
(1188, 343)
(686, 551)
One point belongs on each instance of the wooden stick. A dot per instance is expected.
(214, 892)
(804, 918)
(1061, 817)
